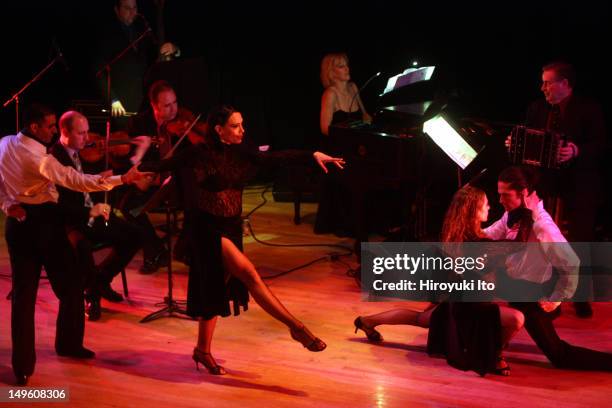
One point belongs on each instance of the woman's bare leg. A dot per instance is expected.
(512, 321)
(239, 266)
(399, 316)
(206, 329)
(201, 353)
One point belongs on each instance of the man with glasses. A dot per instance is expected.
(578, 184)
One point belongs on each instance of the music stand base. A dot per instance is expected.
(169, 310)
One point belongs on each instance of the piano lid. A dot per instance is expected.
(416, 109)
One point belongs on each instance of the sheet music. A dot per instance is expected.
(409, 77)
(451, 142)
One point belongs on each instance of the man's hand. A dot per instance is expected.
(133, 176)
(549, 306)
(567, 153)
(100, 210)
(105, 175)
(16, 211)
(168, 50)
(322, 159)
(142, 144)
(117, 109)
(508, 142)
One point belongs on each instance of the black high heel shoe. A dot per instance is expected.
(372, 334)
(308, 340)
(210, 363)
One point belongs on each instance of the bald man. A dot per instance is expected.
(89, 224)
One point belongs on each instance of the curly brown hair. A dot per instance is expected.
(461, 223)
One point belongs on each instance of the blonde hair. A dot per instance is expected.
(327, 65)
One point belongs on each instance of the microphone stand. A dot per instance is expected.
(171, 306)
(362, 88)
(107, 69)
(15, 97)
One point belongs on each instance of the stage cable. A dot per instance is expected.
(334, 256)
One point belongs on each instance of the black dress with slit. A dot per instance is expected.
(211, 177)
(468, 334)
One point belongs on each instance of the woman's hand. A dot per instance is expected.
(322, 159)
(530, 201)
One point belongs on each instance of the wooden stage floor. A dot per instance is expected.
(149, 365)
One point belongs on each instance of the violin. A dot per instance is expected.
(176, 128)
(95, 149)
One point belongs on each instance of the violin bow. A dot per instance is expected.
(191, 125)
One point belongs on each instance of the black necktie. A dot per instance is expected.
(79, 168)
(521, 215)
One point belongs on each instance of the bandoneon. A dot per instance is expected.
(535, 147)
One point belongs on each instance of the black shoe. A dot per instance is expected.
(81, 352)
(151, 265)
(372, 334)
(207, 360)
(93, 310)
(583, 309)
(163, 257)
(183, 258)
(109, 294)
(21, 380)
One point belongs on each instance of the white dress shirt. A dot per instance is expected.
(536, 262)
(28, 174)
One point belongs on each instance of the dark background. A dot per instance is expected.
(264, 57)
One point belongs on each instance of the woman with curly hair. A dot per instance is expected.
(470, 335)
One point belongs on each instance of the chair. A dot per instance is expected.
(104, 245)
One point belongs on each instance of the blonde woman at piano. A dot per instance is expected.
(340, 102)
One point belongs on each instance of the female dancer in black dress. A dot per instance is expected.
(211, 176)
(470, 335)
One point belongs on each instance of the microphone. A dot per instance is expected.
(59, 57)
(146, 23)
(362, 88)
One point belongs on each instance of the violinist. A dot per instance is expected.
(89, 223)
(155, 131)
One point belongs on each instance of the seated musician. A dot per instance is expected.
(154, 131)
(577, 185)
(340, 101)
(90, 223)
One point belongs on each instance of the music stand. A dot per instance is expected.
(106, 69)
(441, 131)
(163, 195)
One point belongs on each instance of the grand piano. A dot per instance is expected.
(392, 157)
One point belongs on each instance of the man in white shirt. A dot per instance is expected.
(535, 265)
(36, 236)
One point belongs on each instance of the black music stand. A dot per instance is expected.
(106, 69)
(163, 198)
